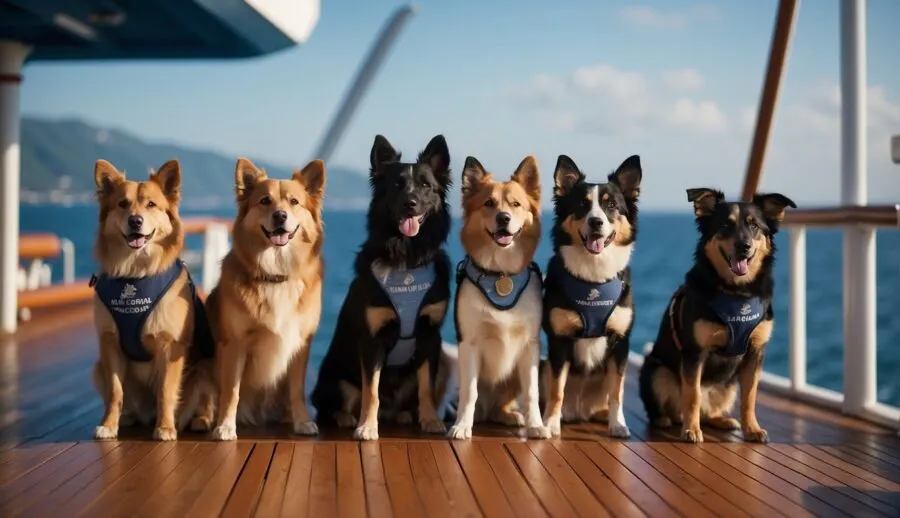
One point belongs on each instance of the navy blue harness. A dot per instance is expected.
(594, 301)
(406, 290)
(130, 302)
(490, 282)
(741, 315)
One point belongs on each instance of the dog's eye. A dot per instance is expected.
(265, 200)
(585, 203)
(516, 204)
(123, 203)
(294, 201)
(489, 202)
(151, 204)
(611, 204)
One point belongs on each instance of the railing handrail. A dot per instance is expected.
(869, 215)
(39, 245)
(199, 224)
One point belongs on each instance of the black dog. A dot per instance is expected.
(714, 333)
(588, 305)
(387, 343)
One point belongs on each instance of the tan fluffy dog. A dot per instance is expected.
(499, 342)
(266, 307)
(140, 237)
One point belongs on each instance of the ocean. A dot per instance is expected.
(662, 255)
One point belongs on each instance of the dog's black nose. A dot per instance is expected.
(742, 247)
(135, 222)
(503, 219)
(411, 203)
(595, 223)
(279, 217)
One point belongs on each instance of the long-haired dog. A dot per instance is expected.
(713, 335)
(151, 326)
(386, 351)
(266, 307)
(588, 304)
(498, 302)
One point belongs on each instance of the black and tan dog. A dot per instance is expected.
(386, 350)
(714, 333)
(588, 304)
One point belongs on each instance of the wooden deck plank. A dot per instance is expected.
(576, 492)
(275, 485)
(427, 478)
(323, 480)
(482, 480)
(831, 494)
(870, 480)
(405, 499)
(246, 491)
(863, 460)
(351, 491)
(211, 499)
(461, 497)
(540, 480)
(604, 490)
(296, 501)
(158, 498)
(28, 459)
(512, 481)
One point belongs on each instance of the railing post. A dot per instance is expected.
(860, 380)
(797, 351)
(215, 246)
(68, 257)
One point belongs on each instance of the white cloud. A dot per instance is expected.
(697, 116)
(683, 79)
(646, 16)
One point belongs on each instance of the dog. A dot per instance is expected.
(266, 307)
(151, 326)
(588, 303)
(386, 351)
(714, 333)
(498, 300)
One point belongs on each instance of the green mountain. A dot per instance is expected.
(58, 157)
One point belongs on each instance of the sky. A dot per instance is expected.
(676, 82)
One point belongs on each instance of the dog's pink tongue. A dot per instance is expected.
(280, 239)
(595, 244)
(504, 240)
(739, 267)
(137, 243)
(409, 227)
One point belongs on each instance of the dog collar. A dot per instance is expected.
(500, 289)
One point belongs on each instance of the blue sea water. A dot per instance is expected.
(662, 255)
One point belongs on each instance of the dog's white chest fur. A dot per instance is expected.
(589, 352)
(499, 336)
(279, 335)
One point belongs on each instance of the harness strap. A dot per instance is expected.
(677, 298)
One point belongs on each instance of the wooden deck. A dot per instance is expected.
(819, 463)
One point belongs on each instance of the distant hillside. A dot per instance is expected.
(58, 158)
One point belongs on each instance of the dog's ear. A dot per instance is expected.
(168, 177)
(704, 200)
(565, 176)
(312, 177)
(246, 176)
(529, 176)
(773, 206)
(382, 153)
(437, 156)
(473, 176)
(106, 178)
(628, 177)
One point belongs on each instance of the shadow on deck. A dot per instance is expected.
(819, 464)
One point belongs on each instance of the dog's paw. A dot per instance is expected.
(366, 433)
(662, 422)
(164, 433)
(724, 423)
(225, 432)
(460, 432)
(537, 432)
(692, 435)
(553, 424)
(433, 426)
(403, 418)
(105, 433)
(512, 418)
(345, 420)
(619, 430)
(759, 435)
(201, 423)
(307, 428)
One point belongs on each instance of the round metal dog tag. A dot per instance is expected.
(504, 286)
